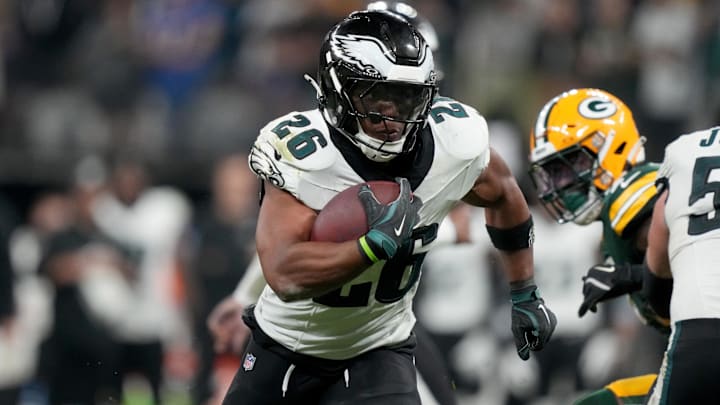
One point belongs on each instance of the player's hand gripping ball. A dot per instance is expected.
(343, 217)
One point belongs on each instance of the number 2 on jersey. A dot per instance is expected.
(303, 144)
(453, 109)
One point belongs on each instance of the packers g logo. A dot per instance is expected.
(597, 108)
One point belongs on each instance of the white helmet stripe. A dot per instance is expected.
(541, 123)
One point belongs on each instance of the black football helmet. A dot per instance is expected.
(371, 58)
(409, 13)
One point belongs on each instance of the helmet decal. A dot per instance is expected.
(370, 55)
(597, 108)
(376, 68)
(583, 141)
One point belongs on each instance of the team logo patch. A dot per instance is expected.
(249, 362)
(597, 108)
(263, 164)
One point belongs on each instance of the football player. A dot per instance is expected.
(334, 324)
(588, 163)
(682, 272)
(436, 385)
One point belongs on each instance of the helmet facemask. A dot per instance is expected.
(564, 182)
(388, 115)
(589, 136)
(376, 83)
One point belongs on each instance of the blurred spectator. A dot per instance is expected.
(607, 58)
(222, 119)
(9, 387)
(7, 304)
(493, 64)
(64, 119)
(225, 242)
(179, 41)
(80, 357)
(282, 43)
(148, 223)
(709, 41)
(50, 212)
(665, 32)
(45, 31)
(557, 47)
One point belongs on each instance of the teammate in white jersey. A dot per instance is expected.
(334, 323)
(683, 259)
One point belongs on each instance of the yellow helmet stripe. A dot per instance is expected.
(633, 386)
(632, 200)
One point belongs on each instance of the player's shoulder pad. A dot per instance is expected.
(298, 140)
(632, 197)
(458, 127)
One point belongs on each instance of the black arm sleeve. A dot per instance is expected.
(658, 291)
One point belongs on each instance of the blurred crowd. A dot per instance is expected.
(127, 209)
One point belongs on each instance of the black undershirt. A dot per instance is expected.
(413, 165)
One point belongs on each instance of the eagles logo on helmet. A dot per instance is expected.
(375, 68)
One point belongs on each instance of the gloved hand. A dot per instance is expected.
(390, 225)
(532, 322)
(605, 281)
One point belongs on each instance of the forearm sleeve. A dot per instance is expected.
(658, 292)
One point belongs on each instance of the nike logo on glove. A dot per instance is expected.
(607, 269)
(398, 230)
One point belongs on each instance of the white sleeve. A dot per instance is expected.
(251, 285)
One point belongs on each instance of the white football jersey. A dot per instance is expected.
(691, 170)
(298, 154)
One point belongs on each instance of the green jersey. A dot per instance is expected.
(627, 205)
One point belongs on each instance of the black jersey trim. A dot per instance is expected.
(414, 165)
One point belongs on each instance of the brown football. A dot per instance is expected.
(343, 217)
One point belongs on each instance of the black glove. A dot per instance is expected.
(390, 225)
(605, 281)
(532, 322)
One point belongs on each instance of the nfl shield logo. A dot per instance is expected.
(249, 362)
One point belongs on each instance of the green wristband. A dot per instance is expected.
(366, 251)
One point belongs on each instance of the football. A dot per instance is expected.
(343, 217)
